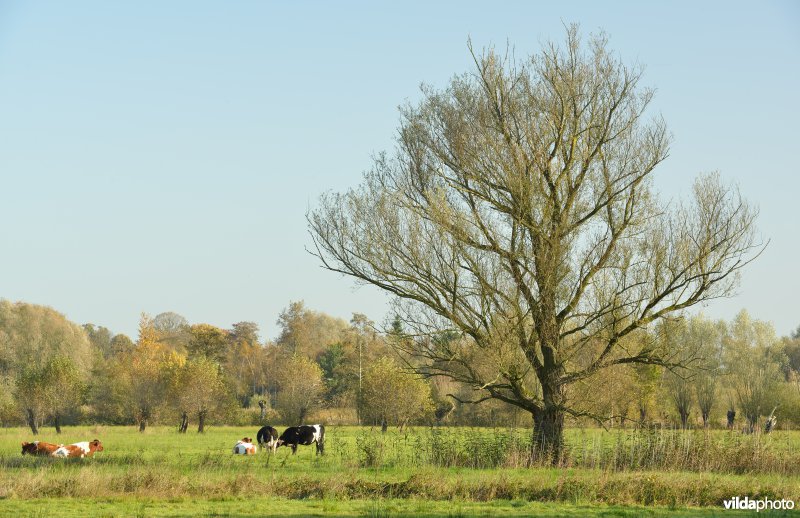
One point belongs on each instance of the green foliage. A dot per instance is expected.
(31, 393)
(301, 388)
(337, 372)
(197, 387)
(100, 338)
(208, 341)
(753, 367)
(394, 396)
(307, 332)
(32, 334)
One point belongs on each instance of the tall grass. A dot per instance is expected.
(662, 450)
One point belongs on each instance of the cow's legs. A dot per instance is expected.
(294, 449)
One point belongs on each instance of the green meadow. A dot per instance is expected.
(419, 471)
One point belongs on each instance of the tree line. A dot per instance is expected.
(55, 372)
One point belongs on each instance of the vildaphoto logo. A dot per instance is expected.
(751, 504)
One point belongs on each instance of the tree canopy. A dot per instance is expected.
(518, 211)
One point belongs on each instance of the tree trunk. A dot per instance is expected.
(57, 423)
(705, 419)
(201, 421)
(731, 416)
(752, 420)
(548, 424)
(31, 418)
(184, 423)
(384, 425)
(142, 425)
(684, 419)
(548, 435)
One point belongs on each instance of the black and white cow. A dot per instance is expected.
(305, 435)
(268, 438)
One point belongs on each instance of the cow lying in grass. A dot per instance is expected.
(268, 438)
(245, 446)
(42, 448)
(305, 435)
(78, 449)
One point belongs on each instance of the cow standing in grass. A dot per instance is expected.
(305, 435)
(268, 438)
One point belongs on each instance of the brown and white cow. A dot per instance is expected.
(39, 448)
(78, 449)
(245, 446)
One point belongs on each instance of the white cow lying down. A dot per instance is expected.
(245, 446)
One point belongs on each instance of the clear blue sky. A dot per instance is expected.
(161, 156)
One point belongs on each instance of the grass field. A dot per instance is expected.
(445, 472)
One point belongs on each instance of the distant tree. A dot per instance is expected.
(121, 344)
(300, 388)
(170, 322)
(699, 342)
(141, 385)
(753, 367)
(173, 330)
(706, 337)
(100, 337)
(335, 372)
(791, 348)
(208, 341)
(200, 390)
(680, 392)
(140, 377)
(646, 379)
(64, 388)
(32, 335)
(705, 386)
(393, 396)
(244, 332)
(9, 411)
(50, 389)
(245, 360)
(307, 332)
(31, 394)
(518, 211)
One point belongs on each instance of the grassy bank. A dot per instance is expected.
(277, 507)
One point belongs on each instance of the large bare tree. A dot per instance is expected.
(518, 212)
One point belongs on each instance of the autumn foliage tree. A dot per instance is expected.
(300, 388)
(139, 378)
(199, 389)
(64, 388)
(207, 340)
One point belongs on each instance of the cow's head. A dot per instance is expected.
(95, 445)
(29, 448)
